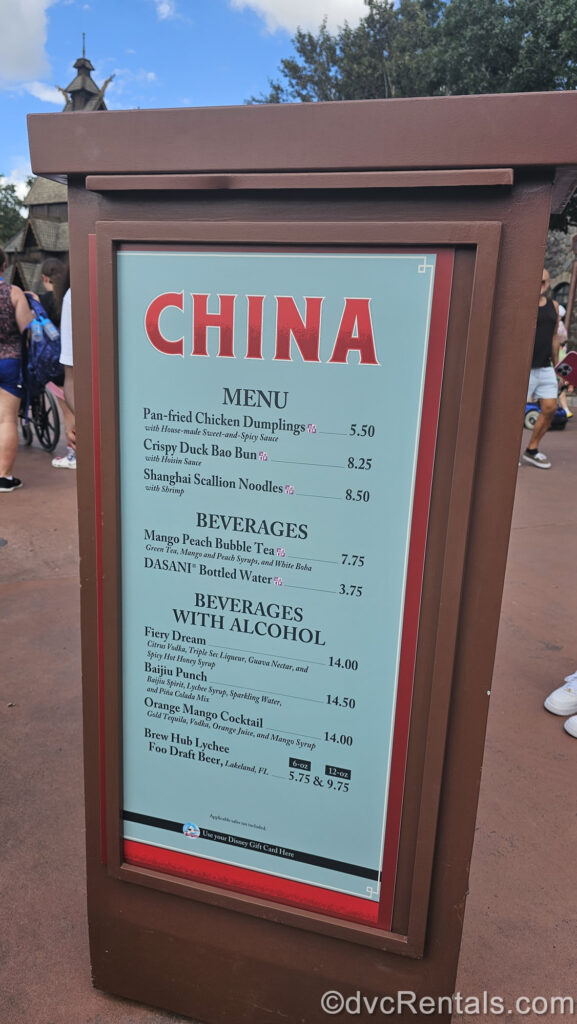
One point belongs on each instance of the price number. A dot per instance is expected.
(351, 495)
(348, 663)
(301, 777)
(337, 785)
(341, 702)
(353, 463)
(361, 430)
(350, 590)
(342, 740)
(358, 560)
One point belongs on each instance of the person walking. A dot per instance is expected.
(15, 316)
(563, 701)
(542, 379)
(67, 461)
(66, 399)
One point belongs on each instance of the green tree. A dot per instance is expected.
(11, 219)
(506, 46)
(478, 45)
(436, 48)
(313, 75)
(385, 55)
(432, 48)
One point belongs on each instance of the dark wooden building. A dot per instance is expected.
(83, 93)
(45, 232)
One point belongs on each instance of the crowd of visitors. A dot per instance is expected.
(16, 316)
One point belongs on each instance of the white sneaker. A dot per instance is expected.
(563, 701)
(537, 459)
(66, 462)
(570, 726)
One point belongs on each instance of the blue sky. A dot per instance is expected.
(163, 53)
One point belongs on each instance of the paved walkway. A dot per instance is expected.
(520, 933)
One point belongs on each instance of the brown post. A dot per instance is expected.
(572, 289)
(301, 341)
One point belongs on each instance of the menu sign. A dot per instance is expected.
(269, 415)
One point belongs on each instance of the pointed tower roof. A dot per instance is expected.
(83, 93)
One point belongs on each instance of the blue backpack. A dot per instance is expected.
(41, 362)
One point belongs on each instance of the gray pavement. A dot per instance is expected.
(520, 931)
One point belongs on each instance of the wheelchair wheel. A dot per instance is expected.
(25, 425)
(531, 418)
(46, 420)
(26, 429)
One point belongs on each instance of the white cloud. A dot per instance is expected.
(305, 14)
(46, 93)
(165, 9)
(125, 76)
(23, 40)
(125, 90)
(18, 176)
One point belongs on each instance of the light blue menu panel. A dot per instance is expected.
(269, 421)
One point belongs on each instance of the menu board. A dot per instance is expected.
(269, 417)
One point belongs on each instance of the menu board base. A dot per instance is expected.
(252, 883)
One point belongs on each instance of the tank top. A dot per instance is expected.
(543, 347)
(10, 337)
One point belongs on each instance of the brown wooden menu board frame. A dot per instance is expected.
(484, 237)
(212, 195)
